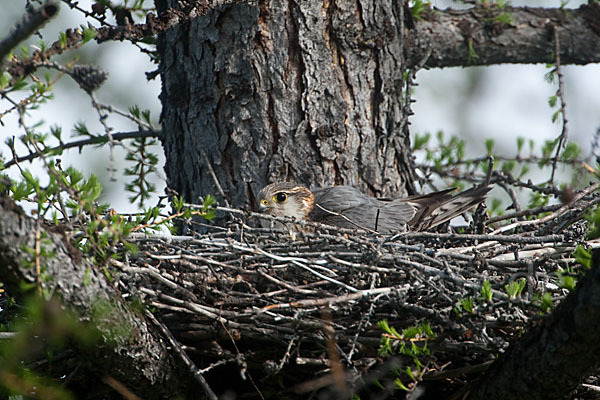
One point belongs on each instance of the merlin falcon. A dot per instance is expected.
(348, 207)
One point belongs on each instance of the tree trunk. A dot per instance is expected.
(307, 91)
(130, 350)
(314, 92)
(551, 359)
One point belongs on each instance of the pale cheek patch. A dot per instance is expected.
(306, 203)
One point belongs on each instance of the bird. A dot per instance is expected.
(347, 207)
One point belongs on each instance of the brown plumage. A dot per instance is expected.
(347, 207)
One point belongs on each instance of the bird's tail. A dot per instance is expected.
(436, 208)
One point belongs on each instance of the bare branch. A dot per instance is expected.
(86, 142)
(526, 39)
(32, 21)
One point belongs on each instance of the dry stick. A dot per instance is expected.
(120, 388)
(333, 353)
(524, 213)
(531, 159)
(286, 285)
(215, 179)
(300, 262)
(481, 237)
(563, 104)
(512, 195)
(241, 355)
(455, 373)
(548, 217)
(38, 272)
(184, 357)
(330, 300)
(287, 354)
(364, 320)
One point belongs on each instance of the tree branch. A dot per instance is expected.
(85, 142)
(32, 21)
(141, 359)
(528, 38)
(552, 358)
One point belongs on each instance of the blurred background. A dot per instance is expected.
(502, 102)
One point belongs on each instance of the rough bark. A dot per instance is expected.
(141, 361)
(551, 359)
(312, 91)
(304, 91)
(528, 38)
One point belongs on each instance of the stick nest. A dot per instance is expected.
(265, 304)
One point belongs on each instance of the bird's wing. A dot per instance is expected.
(348, 207)
(432, 215)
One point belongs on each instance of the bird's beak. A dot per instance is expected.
(262, 208)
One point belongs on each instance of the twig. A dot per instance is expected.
(524, 213)
(215, 179)
(550, 216)
(120, 388)
(563, 104)
(184, 357)
(84, 142)
(32, 21)
(240, 354)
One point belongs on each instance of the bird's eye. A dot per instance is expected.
(280, 197)
(264, 202)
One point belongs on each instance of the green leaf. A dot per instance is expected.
(509, 165)
(565, 280)
(4, 79)
(515, 288)
(571, 152)
(593, 219)
(555, 115)
(468, 304)
(384, 326)
(421, 141)
(583, 256)
(87, 277)
(489, 146)
(88, 34)
(400, 385)
(505, 18)
(81, 129)
(486, 291)
(62, 38)
(520, 143)
(20, 84)
(545, 302)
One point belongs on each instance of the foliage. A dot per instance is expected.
(486, 291)
(45, 331)
(515, 288)
(418, 8)
(411, 343)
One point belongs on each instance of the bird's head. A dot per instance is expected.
(286, 199)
